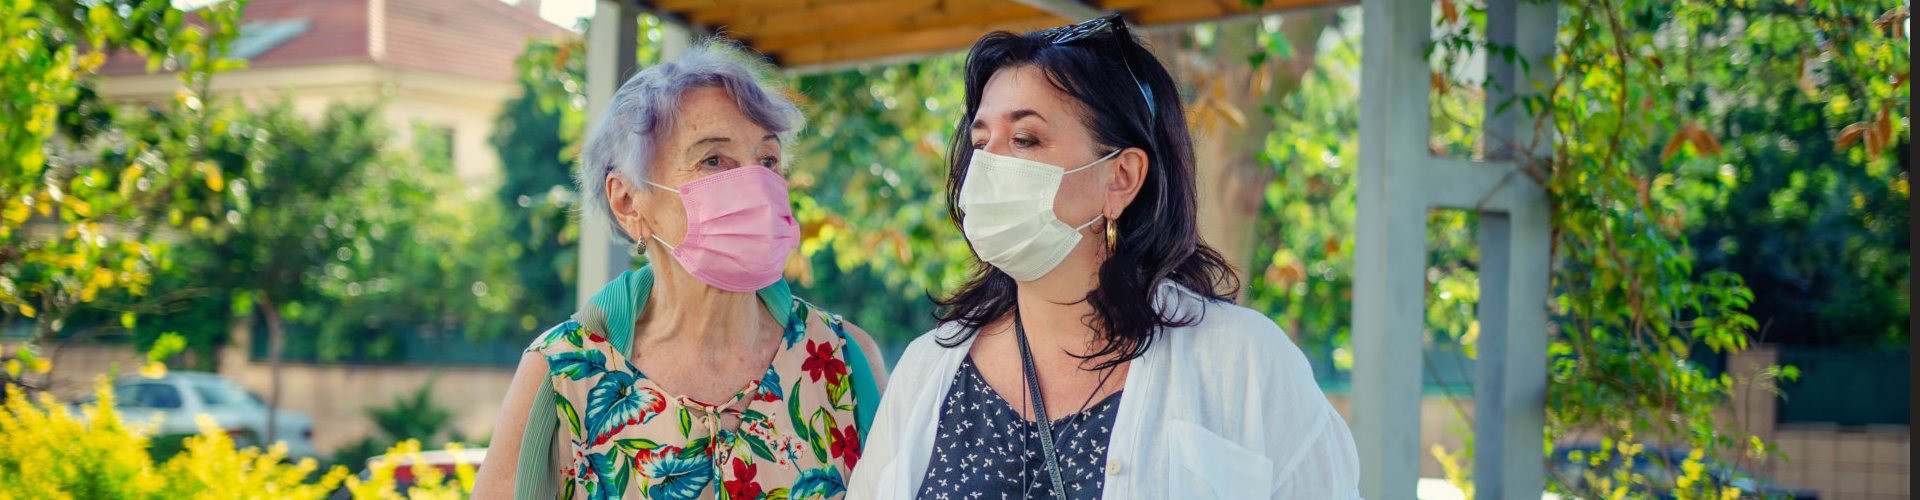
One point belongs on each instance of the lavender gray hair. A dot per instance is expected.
(645, 108)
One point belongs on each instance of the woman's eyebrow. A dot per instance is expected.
(709, 140)
(1012, 116)
(1016, 115)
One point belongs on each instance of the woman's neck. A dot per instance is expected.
(1055, 310)
(683, 310)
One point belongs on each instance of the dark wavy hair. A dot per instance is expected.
(1159, 236)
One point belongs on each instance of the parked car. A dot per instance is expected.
(1655, 466)
(178, 398)
(446, 460)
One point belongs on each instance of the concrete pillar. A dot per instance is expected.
(1515, 251)
(1399, 182)
(1390, 257)
(612, 57)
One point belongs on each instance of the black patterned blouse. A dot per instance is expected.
(985, 450)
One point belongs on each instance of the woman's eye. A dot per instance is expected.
(770, 162)
(1024, 142)
(711, 161)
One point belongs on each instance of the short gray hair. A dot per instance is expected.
(643, 111)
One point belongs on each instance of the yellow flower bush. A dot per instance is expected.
(50, 452)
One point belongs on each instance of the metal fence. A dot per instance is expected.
(1846, 387)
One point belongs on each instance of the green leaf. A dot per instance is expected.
(695, 449)
(577, 365)
(686, 422)
(837, 391)
(818, 441)
(625, 476)
(793, 412)
(572, 416)
(759, 447)
(636, 445)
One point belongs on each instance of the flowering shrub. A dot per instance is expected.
(49, 450)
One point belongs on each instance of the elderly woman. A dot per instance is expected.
(1094, 353)
(699, 375)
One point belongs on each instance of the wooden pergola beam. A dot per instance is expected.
(802, 14)
(961, 14)
(1066, 9)
(685, 5)
(898, 44)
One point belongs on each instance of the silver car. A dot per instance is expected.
(179, 397)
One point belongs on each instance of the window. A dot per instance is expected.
(152, 395)
(222, 393)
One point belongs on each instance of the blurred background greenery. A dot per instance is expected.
(1773, 165)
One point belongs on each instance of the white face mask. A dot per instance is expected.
(1008, 207)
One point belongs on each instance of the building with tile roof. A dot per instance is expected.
(441, 66)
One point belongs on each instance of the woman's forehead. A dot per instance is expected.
(1013, 91)
(711, 112)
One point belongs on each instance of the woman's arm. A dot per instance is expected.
(495, 478)
(1316, 459)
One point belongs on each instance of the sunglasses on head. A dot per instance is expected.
(1087, 29)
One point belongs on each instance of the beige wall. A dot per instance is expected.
(336, 396)
(1852, 463)
(468, 106)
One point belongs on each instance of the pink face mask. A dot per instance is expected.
(740, 228)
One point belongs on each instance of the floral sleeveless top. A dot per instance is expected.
(796, 437)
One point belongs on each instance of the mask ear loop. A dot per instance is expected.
(1109, 156)
(1096, 218)
(641, 247)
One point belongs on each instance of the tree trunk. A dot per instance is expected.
(276, 345)
(1230, 125)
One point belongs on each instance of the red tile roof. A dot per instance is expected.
(475, 38)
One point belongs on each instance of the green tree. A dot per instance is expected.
(1815, 221)
(532, 136)
(1639, 111)
(327, 228)
(869, 189)
(83, 205)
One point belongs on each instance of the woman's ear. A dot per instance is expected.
(624, 198)
(1129, 172)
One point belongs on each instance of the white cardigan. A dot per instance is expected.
(1224, 408)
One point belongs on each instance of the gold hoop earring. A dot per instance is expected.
(1113, 236)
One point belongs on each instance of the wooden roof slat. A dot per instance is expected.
(751, 18)
(827, 21)
(1182, 12)
(819, 34)
(1068, 9)
(965, 13)
(917, 42)
(685, 5)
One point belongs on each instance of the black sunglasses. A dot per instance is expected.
(1086, 29)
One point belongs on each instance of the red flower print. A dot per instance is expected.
(742, 486)
(846, 444)
(820, 361)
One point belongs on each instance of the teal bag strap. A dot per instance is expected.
(866, 393)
